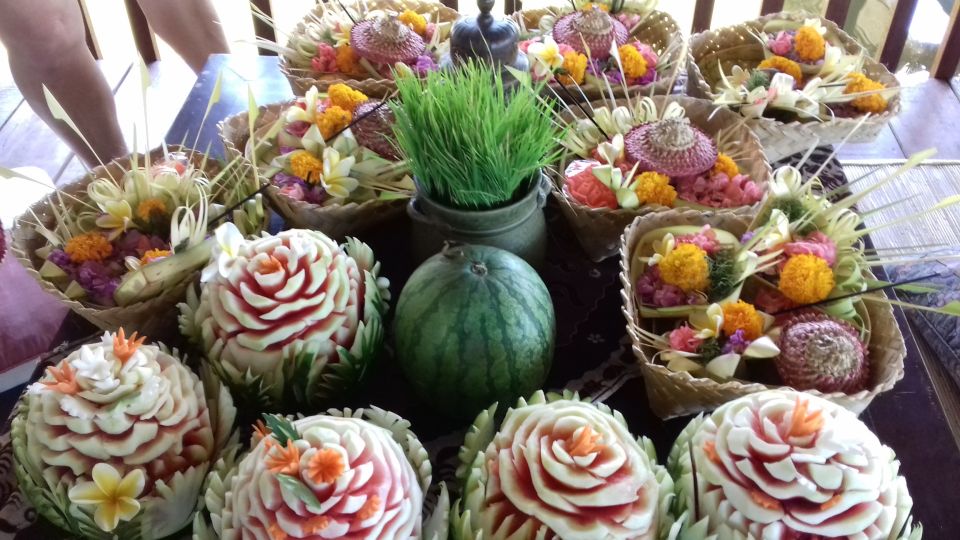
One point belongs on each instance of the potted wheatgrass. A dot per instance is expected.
(477, 153)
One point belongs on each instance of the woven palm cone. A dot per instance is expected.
(302, 76)
(730, 46)
(657, 29)
(336, 221)
(152, 316)
(673, 393)
(599, 229)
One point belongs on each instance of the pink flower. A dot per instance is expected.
(771, 301)
(526, 43)
(326, 59)
(293, 191)
(430, 30)
(297, 129)
(581, 185)
(684, 339)
(782, 44)
(718, 191)
(564, 49)
(816, 243)
(705, 239)
(648, 53)
(629, 19)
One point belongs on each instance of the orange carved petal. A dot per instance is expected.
(585, 443)
(764, 500)
(369, 508)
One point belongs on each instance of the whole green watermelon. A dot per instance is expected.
(474, 325)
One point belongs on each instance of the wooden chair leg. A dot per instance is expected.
(948, 55)
(261, 28)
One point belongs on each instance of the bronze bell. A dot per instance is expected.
(488, 39)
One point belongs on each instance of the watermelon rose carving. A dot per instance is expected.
(288, 320)
(782, 464)
(358, 475)
(559, 468)
(116, 440)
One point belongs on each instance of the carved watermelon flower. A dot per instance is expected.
(287, 319)
(783, 464)
(339, 475)
(559, 468)
(118, 439)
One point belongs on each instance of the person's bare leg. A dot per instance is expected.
(46, 46)
(191, 27)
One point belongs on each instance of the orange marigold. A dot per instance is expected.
(345, 97)
(88, 247)
(153, 206)
(783, 65)
(740, 315)
(416, 21)
(634, 64)
(809, 44)
(574, 67)
(154, 255)
(872, 103)
(686, 267)
(348, 62)
(333, 119)
(725, 165)
(806, 279)
(307, 166)
(590, 5)
(654, 188)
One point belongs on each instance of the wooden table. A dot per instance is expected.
(591, 335)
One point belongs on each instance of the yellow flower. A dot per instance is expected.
(114, 497)
(725, 165)
(634, 64)
(806, 279)
(873, 103)
(575, 68)
(333, 119)
(414, 20)
(151, 207)
(742, 316)
(345, 97)
(117, 217)
(686, 267)
(590, 5)
(654, 188)
(88, 247)
(305, 165)
(544, 57)
(783, 65)
(809, 44)
(155, 255)
(348, 62)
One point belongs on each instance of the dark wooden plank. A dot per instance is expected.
(702, 15)
(837, 11)
(929, 117)
(948, 55)
(897, 33)
(771, 6)
(260, 27)
(89, 36)
(886, 146)
(142, 34)
(452, 4)
(511, 6)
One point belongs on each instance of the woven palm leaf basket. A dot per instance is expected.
(677, 393)
(599, 229)
(724, 48)
(296, 58)
(157, 313)
(656, 29)
(336, 221)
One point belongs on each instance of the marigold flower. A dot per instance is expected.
(348, 62)
(872, 103)
(306, 165)
(152, 255)
(88, 247)
(783, 65)
(151, 207)
(809, 44)
(740, 315)
(590, 5)
(686, 267)
(725, 165)
(416, 21)
(345, 97)
(634, 64)
(806, 279)
(654, 188)
(332, 120)
(574, 67)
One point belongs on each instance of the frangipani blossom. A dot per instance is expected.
(229, 240)
(117, 217)
(308, 112)
(336, 177)
(709, 322)
(544, 57)
(114, 497)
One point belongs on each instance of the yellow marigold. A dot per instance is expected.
(414, 20)
(345, 97)
(686, 267)
(873, 103)
(783, 65)
(348, 62)
(306, 166)
(154, 255)
(333, 119)
(634, 64)
(806, 279)
(151, 207)
(809, 44)
(575, 66)
(655, 188)
(725, 165)
(88, 247)
(590, 5)
(740, 315)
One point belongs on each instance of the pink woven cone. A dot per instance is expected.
(818, 352)
(386, 41)
(672, 147)
(375, 131)
(595, 28)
